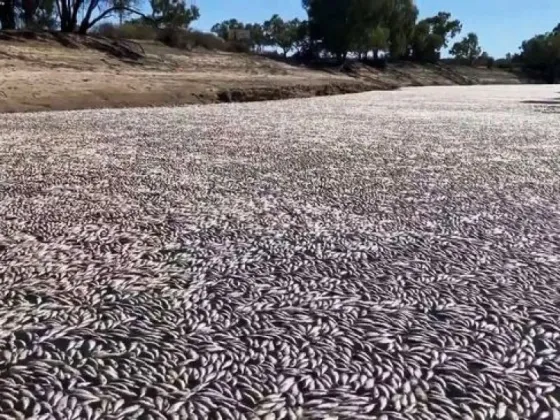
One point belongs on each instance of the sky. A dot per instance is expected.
(501, 25)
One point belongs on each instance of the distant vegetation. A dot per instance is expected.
(370, 30)
(382, 30)
(540, 56)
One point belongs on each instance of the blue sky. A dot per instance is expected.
(500, 24)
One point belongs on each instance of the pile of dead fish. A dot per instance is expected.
(392, 255)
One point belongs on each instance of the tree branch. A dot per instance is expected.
(115, 9)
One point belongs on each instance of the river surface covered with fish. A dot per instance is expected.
(386, 255)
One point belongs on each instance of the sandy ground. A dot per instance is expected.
(43, 75)
(36, 77)
(386, 255)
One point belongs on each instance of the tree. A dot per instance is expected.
(401, 23)
(486, 59)
(379, 40)
(256, 31)
(302, 40)
(222, 29)
(433, 34)
(8, 14)
(425, 44)
(369, 26)
(442, 25)
(121, 12)
(468, 49)
(375, 39)
(340, 26)
(33, 14)
(38, 14)
(329, 25)
(540, 56)
(172, 13)
(258, 37)
(282, 33)
(165, 13)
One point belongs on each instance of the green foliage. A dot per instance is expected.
(485, 60)
(370, 31)
(30, 14)
(258, 37)
(302, 40)
(182, 38)
(38, 14)
(468, 49)
(275, 31)
(361, 26)
(174, 13)
(336, 28)
(332, 24)
(283, 34)
(401, 23)
(164, 13)
(425, 44)
(442, 25)
(433, 34)
(237, 47)
(378, 40)
(541, 55)
(222, 29)
(507, 62)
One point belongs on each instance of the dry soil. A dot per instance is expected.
(48, 72)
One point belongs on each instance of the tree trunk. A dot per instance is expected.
(375, 55)
(83, 28)
(86, 24)
(29, 10)
(7, 14)
(68, 23)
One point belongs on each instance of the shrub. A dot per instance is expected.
(106, 29)
(188, 39)
(206, 40)
(137, 31)
(504, 64)
(126, 31)
(238, 47)
(174, 37)
(378, 63)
